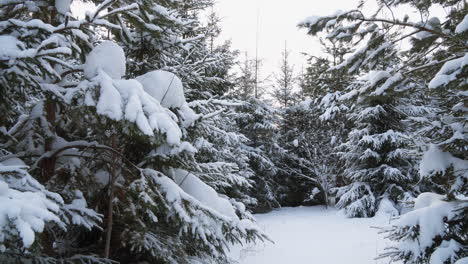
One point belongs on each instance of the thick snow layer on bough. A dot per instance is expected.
(165, 87)
(463, 26)
(202, 192)
(108, 57)
(63, 6)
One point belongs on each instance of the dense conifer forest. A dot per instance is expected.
(133, 134)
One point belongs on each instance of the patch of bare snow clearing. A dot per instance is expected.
(304, 235)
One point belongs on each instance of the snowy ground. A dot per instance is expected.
(309, 235)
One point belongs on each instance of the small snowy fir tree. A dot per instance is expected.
(376, 155)
(303, 169)
(245, 81)
(315, 127)
(284, 81)
(377, 158)
(258, 121)
(318, 81)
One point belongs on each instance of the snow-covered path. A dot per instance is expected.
(314, 235)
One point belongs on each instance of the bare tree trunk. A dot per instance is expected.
(48, 165)
(325, 195)
(113, 173)
(109, 219)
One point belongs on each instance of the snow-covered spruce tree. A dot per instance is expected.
(318, 80)
(258, 121)
(222, 160)
(41, 49)
(223, 156)
(299, 170)
(284, 81)
(219, 159)
(245, 79)
(255, 121)
(376, 153)
(316, 126)
(158, 212)
(311, 141)
(104, 123)
(436, 62)
(436, 230)
(204, 69)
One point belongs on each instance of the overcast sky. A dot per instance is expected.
(278, 23)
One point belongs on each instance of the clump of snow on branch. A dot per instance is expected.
(426, 222)
(436, 161)
(24, 213)
(204, 214)
(168, 89)
(165, 87)
(78, 213)
(192, 185)
(463, 26)
(142, 101)
(449, 72)
(313, 20)
(108, 57)
(63, 6)
(10, 46)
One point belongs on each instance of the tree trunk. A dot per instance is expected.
(113, 173)
(109, 219)
(48, 164)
